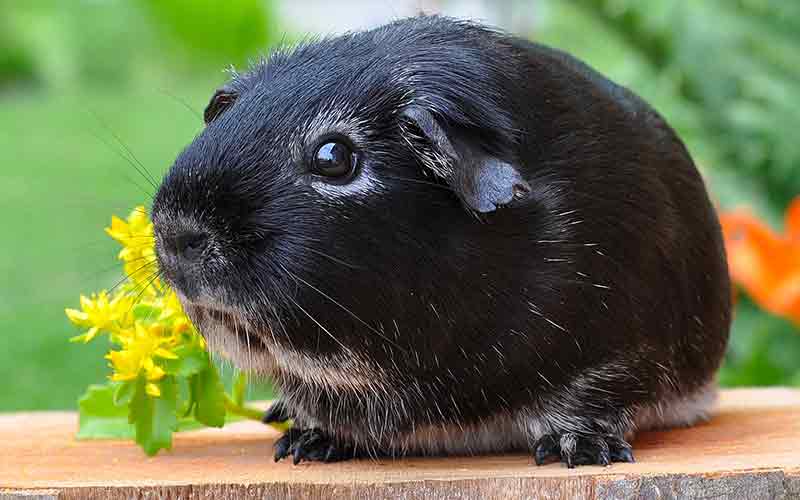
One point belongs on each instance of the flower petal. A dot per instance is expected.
(792, 220)
(152, 390)
(92, 333)
(155, 373)
(163, 353)
(78, 317)
(79, 338)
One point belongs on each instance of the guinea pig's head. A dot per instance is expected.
(342, 191)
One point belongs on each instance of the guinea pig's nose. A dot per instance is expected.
(189, 245)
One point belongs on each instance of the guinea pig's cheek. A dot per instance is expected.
(363, 184)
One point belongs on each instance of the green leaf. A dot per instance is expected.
(192, 359)
(154, 418)
(100, 418)
(146, 312)
(123, 392)
(209, 396)
(189, 424)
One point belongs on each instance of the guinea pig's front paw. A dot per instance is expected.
(277, 412)
(312, 445)
(581, 449)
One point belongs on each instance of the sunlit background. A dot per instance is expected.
(86, 84)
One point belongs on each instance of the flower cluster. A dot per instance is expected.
(162, 379)
(143, 317)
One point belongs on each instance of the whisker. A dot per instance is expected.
(126, 277)
(330, 257)
(261, 291)
(155, 276)
(184, 103)
(142, 169)
(420, 181)
(147, 193)
(319, 324)
(140, 288)
(90, 244)
(116, 265)
(348, 311)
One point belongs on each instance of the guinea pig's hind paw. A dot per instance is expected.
(312, 445)
(580, 449)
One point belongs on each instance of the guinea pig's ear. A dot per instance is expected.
(482, 181)
(220, 101)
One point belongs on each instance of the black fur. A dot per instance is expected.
(598, 289)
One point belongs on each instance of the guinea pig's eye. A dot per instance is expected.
(335, 160)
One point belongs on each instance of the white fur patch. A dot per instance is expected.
(337, 119)
(363, 184)
(333, 371)
(263, 355)
(500, 433)
(505, 432)
(678, 411)
(232, 347)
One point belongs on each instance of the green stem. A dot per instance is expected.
(253, 414)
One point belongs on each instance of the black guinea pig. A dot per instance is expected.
(437, 238)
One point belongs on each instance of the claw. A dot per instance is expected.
(539, 456)
(282, 446)
(578, 449)
(310, 445)
(329, 454)
(545, 447)
(297, 455)
(623, 455)
(604, 458)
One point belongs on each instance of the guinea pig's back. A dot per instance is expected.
(637, 203)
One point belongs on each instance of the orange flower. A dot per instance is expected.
(765, 263)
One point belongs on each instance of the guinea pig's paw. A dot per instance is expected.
(312, 445)
(277, 412)
(582, 449)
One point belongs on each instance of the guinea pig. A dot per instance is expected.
(437, 238)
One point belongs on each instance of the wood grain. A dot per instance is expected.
(750, 449)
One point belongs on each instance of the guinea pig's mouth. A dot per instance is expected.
(209, 319)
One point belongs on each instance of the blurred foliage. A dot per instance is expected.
(765, 350)
(62, 44)
(78, 79)
(219, 33)
(726, 75)
(724, 72)
(15, 61)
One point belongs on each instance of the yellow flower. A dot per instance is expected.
(152, 390)
(171, 306)
(140, 347)
(99, 313)
(135, 234)
(144, 340)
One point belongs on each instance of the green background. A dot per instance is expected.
(83, 82)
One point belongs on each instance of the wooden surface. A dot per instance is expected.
(750, 449)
